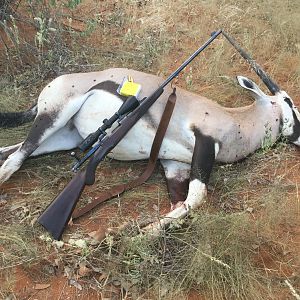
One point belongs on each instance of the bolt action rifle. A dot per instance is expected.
(57, 215)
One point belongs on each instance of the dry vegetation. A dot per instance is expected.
(243, 244)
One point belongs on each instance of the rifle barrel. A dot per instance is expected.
(175, 73)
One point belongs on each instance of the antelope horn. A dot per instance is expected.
(271, 85)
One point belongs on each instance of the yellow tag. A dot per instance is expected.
(129, 88)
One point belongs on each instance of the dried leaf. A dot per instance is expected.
(98, 235)
(41, 286)
(83, 270)
(57, 262)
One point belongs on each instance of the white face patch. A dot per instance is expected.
(287, 119)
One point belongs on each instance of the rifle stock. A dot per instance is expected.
(57, 215)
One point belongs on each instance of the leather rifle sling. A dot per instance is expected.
(119, 189)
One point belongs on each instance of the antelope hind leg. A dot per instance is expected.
(44, 127)
(6, 151)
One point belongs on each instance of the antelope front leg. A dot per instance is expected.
(205, 152)
(177, 176)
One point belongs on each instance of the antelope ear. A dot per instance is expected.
(249, 85)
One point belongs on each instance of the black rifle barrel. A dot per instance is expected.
(214, 35)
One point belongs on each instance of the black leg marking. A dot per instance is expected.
(203, 157)
(40, 125)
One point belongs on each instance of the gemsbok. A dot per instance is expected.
(200, 132)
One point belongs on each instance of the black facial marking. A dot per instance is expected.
(289, 102)
(108, 86)
(248, 84)
(296, 129)
(203, 157)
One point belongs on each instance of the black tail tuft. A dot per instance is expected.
(14, 119)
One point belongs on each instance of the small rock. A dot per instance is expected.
(75, 284)
(250, 210)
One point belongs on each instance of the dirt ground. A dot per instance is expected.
(40, 270)
(47, 278)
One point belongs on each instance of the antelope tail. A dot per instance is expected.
(14, 119)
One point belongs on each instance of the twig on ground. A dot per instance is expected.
(293, 291)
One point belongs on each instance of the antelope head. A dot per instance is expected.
(290, 116)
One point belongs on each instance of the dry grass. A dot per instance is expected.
(241, 244)
(219, 251)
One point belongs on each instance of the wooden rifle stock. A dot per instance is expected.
(57, 215)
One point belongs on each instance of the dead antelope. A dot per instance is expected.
(200, 131)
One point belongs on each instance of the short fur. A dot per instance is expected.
(200, 131)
